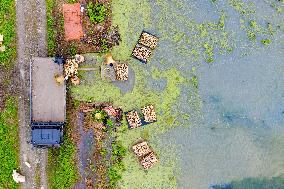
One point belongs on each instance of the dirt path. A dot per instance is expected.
(31, 34)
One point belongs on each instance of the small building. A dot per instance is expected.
(47, 102)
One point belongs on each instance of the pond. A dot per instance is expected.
(216, 79)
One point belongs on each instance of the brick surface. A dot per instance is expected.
(72, 21)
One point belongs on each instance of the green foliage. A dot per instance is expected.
(62, 169)
(114, 176)
(9, 147)
(71, 1)
(7, 28)
(255, 183)
(73, 50)
(118, 150)
(99, 115)
(265, 41)
(96, 12)
(221, 23)
(117, 166)
(109, 122)
(104, 45)
(103, 152)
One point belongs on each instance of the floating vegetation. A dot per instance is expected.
(254, 29)
(265, 41)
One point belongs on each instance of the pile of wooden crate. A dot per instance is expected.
(71, 69)
(134, 120)
(145, 154)
(121, 72)
(146, 43)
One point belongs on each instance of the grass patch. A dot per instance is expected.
(7, 28)
(9, 147)
(62, 169)
(51, 44)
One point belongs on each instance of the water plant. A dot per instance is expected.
(194, 81)
(96, 12)
(251, 35)
(265, 41)
(253, 24)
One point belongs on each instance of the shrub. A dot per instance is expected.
(118, 150)
(96, 12)
(114, 176)
(109, 122)
(99, 115)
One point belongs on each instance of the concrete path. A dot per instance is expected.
(31, 34)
